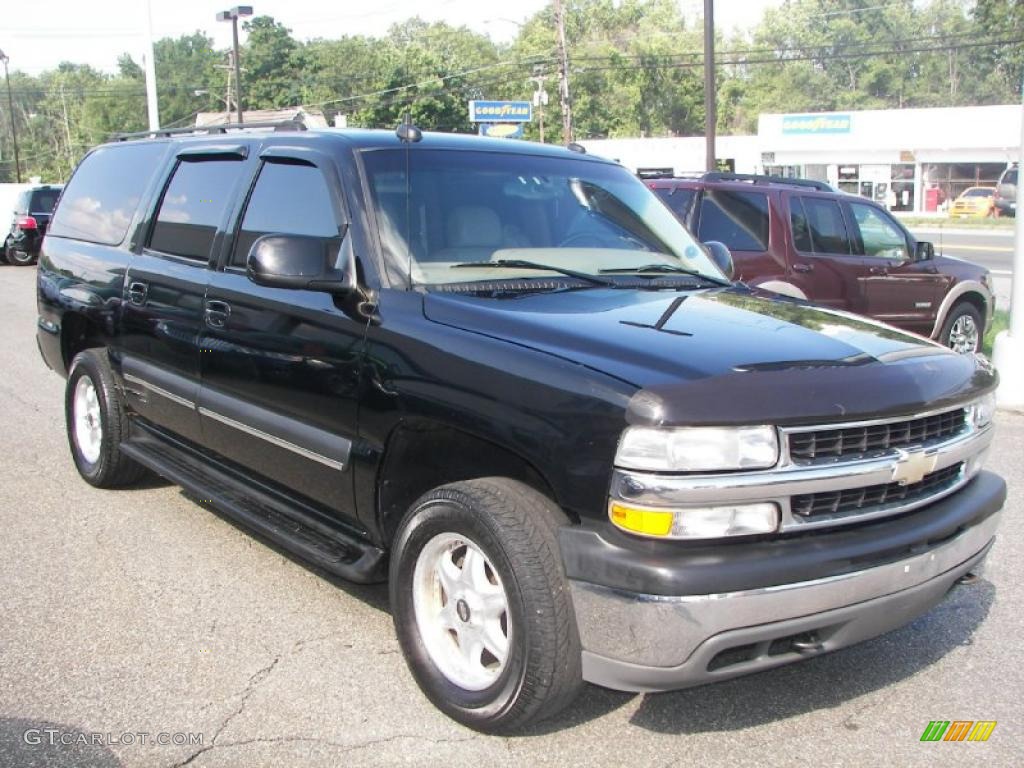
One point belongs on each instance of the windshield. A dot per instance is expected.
(978, 192)
(459, 207)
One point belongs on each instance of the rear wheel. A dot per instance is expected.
(97, 423)
(20, 258)
(481, 604)
(962, 330)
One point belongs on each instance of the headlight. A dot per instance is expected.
(696, 522)
(697, 449)
(981, 411)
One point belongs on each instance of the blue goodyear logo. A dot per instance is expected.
(809, 124)
(500, 111)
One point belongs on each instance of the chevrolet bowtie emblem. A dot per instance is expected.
(912, 466)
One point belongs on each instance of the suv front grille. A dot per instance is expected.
(873, 496)
(850, 442)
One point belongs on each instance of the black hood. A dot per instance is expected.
(727, 356)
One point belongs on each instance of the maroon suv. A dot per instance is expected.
(804, 239)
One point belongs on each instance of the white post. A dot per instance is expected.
(151, 103)
(1008, 354)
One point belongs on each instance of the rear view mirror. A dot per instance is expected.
(924, 251)
(301, 262)
(720, 254)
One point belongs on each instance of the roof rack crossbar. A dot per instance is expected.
(821, 186)
(277, 125)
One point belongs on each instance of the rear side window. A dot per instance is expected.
(193, 207)
(104, 192)
(825, 225)
(738, 219)
(289, 198)
(43, 200)
(678, 200)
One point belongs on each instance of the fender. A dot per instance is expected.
(957, 292)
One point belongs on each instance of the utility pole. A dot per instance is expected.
(10, 116)
(1008, 351)
(67, 132)
(151, 102)
(230, 90)
(563, 73)
(233, 16)
(709, 86)
(540, 96)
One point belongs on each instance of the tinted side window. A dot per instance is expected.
(104, 192)
(877, 234)
(801, 231)
(289, 198)
(193, 207)
(738, 219)
(678, 200)
(826, 225)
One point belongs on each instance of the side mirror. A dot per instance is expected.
(301, 262)
(720, 254)
(924, 251)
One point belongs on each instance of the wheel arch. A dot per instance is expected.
(782, 287)
(970, 292)
(423, 455)
(78, 333)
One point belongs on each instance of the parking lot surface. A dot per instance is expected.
(142, 612)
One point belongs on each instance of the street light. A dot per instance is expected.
(10, 116)
(233, 16)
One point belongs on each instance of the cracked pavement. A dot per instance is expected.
(142, 611)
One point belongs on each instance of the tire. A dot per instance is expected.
(20, 258)
(96, 423)
(963, 330)
(514, 528)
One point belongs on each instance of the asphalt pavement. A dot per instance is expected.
(991, 248)
(142, 612)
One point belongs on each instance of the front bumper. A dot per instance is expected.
(641, 641)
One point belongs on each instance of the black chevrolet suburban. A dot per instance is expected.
(504, 378)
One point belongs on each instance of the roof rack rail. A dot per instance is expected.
(760, 179)
(278, 125)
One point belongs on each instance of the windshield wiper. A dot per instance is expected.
(522, 264)
(653, 269)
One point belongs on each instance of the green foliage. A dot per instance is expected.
(636, 70)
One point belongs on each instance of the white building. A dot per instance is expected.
(892, 155)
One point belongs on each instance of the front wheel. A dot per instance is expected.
(962, 330)
(481, 604)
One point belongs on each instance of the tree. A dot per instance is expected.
(272, 71)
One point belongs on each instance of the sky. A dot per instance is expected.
(96, 32)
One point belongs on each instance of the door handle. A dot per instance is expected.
(879, 270)
(137, 293)
(216, 313)
(800, 267)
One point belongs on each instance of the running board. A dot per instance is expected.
(294, 526)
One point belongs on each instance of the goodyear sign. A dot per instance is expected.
(815, 124)
(500, 111)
